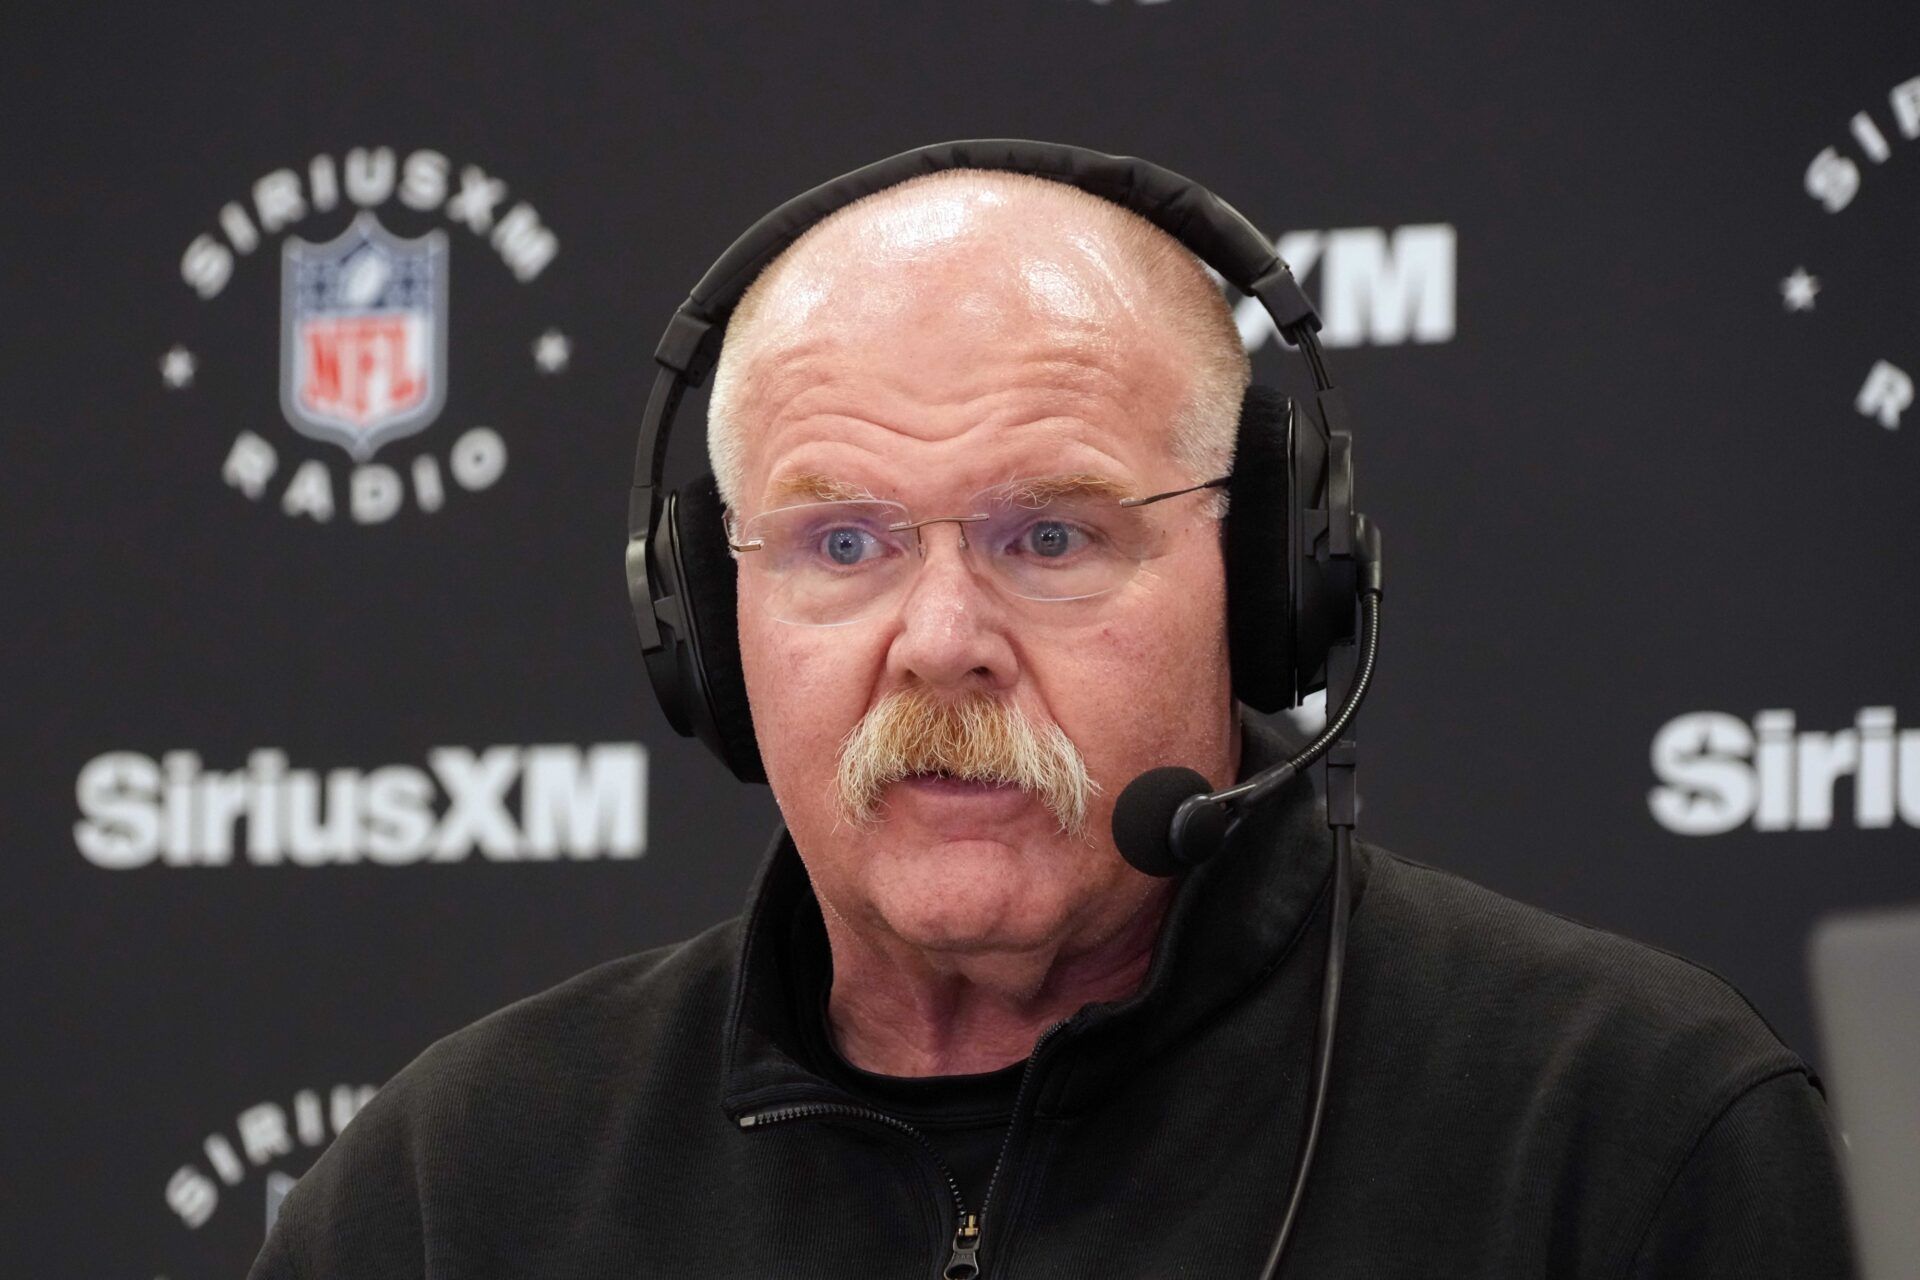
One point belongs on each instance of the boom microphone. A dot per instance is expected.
(1156, 829)
(1169, 820)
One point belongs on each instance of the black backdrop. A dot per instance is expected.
(1628, 357)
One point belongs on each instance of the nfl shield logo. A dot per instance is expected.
(363, 335)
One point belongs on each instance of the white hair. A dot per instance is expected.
(1192, 308)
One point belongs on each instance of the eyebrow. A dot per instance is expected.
(1083, 484)
(811, 486)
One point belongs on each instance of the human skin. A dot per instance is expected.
(934, 342)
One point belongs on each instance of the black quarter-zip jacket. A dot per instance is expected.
(1514, 1095)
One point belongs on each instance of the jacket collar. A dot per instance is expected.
(1233, 920)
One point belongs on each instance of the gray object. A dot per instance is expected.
(1866, 989)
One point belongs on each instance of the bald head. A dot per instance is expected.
(986, 257)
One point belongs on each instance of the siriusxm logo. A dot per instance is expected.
(508, 804)
(1375, 286)
(267, 1134)
(1718, 772)
(366, 323)
(1834, 178)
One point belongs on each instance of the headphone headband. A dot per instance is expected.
(1220, 235)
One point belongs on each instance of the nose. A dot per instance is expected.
(953, 628)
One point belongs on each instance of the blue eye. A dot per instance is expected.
(847, 546)
(1051, 539)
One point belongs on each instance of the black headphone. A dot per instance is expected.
(1292, 589)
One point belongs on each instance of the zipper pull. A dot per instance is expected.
(965, 1262)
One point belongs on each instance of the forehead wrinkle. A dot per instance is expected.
(819, 395)
(1017, 429)
(1063, 378)
(777, 368)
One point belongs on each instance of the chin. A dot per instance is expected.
(969, 896)
(965, 934)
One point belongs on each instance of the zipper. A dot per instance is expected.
(963, 1263)
(1019, 1103)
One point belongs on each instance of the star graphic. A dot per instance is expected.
(1797, 290)
(552, 350)
(176, 368)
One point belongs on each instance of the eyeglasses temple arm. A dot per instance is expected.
(1215, 483)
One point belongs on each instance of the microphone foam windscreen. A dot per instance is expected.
(1143, 817)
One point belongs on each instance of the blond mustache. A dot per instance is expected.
(977, 738)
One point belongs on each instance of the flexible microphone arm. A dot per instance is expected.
(1160, 842)
(1212, 816)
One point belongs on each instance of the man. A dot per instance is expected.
(955, 1033)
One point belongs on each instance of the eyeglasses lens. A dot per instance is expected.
(827, 563)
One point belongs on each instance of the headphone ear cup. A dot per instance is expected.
(1260, 553)
(717, 706)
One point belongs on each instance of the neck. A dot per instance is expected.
(900, 1010)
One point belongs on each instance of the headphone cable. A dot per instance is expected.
(1338, 911)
